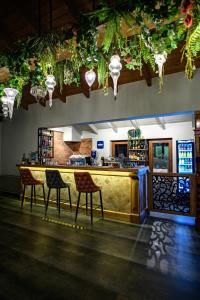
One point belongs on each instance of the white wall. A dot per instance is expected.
(176, 131)
(134, 100)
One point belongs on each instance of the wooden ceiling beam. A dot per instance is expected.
(72, 7)
(6, 33)
(147, 74)
(30, 16)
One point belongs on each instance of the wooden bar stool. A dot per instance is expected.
(85, 184)
(28, 179)
(54, 181)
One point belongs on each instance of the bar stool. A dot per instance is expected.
(85, 184)
(54, 181)
(28, 179)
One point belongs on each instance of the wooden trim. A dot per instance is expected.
(119, 142)
(171, 174)
(164, 141)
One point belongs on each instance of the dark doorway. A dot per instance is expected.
(119, 147)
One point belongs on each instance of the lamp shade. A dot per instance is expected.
(50, 84)
(90, 77)
(11, 93)
(160, 59)
(115, 67)
(38, 92)
(9, 103)
(4, 100)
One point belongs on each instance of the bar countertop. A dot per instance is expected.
(135, 170)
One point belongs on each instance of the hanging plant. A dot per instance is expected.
(155, 27)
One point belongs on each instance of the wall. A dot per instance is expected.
(134, 100)
(176, 131)
(63, 150)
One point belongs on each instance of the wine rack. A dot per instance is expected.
(45, 145)
(138, 151)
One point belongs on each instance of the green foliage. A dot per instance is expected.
(102, 70)
(112, 33)
(158, 28)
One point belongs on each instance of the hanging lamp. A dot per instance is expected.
(10, 95)
(115, 67)
(4, 100)
(38, 92)
(90, 77)
(160, 59)
(50, 84)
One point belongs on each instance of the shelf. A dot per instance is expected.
(185, 150)
(138, 160)
(138, 149)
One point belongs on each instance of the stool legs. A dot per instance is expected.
(31, 196)
(79, 196)
(23, 196)
(70, 200)
(86, 200)
(44, 195)
(34, 193)
(91, 208)
(101, 203)
(47, 202)
(59, 202)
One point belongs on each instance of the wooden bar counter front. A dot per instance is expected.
(124, 191)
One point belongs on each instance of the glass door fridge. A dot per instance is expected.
(185, 156)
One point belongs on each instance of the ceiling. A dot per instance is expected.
(20, 19)
(136, 123)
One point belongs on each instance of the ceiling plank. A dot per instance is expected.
(160, 122)
(135, 124)
(113, 126)
(93, 128)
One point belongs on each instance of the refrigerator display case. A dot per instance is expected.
(185, 156)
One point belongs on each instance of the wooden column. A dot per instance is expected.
(197, 166)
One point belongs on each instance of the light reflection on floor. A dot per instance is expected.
(161, 239)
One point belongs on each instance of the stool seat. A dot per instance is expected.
(28, 179)
(85, 184)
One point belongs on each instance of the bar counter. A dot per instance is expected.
(124, 190)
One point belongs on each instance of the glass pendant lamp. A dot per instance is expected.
(11, 95)
(115, 67)
(50, 84)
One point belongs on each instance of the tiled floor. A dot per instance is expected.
(42, 259)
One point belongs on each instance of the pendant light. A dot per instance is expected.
(38, 92)
(10, 95)
(90, 77)
(115, 67)
(50, 84)
(160, 59)
(4, 100)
